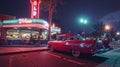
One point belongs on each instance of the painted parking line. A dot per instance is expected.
(76, 62)
(66, 59)
(54, 55)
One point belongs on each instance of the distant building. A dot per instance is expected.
(6, 17)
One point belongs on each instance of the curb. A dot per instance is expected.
(19, 52)
(42, 45)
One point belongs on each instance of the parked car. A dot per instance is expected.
(71, 43)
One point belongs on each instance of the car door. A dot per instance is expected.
(66, 44)
(60, 45)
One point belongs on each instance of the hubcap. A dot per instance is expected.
(75, 53)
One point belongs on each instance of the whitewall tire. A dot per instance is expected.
(75, 53)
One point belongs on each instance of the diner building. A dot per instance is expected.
(25, 31)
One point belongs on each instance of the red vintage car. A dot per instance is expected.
(72, 43)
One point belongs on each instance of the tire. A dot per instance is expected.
(75, 53)
(95, 48)
(51, 48)
(98, 48)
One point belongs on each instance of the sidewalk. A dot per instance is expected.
(15, 49)
(115, 44)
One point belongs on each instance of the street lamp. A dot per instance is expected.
(118, 33)
(83, 21)
(107, 27)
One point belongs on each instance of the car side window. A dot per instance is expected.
(59, 38)
(62, 38)
(70, 38)
(76, 38)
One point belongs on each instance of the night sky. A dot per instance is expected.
(68, 13)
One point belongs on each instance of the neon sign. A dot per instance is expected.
(22, 21)
(10, 21)
(25, 21)
(35, 7)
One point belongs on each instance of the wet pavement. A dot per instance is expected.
(13, 49)
(112, 56)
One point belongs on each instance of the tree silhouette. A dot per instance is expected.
(99, 29)
(50, 6)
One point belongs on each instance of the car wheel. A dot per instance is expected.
(75, 53)
(95, 48)
(51, 48)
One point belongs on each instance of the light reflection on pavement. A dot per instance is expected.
(47, 59)
(10, 61)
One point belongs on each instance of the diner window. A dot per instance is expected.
(12, 34)
(44, 35)
(25, 34)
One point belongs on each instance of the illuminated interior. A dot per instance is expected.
(21, 33)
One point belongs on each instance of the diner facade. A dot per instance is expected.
(25, 31)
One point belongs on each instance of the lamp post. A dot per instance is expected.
(83, 21)
(107, 28)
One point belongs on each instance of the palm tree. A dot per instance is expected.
(53, 3)
(50, 6)
(99, 29)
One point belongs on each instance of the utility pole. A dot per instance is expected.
(51, 7)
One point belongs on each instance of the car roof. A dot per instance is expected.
(67, 35)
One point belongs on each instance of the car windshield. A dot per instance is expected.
(69, 38)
